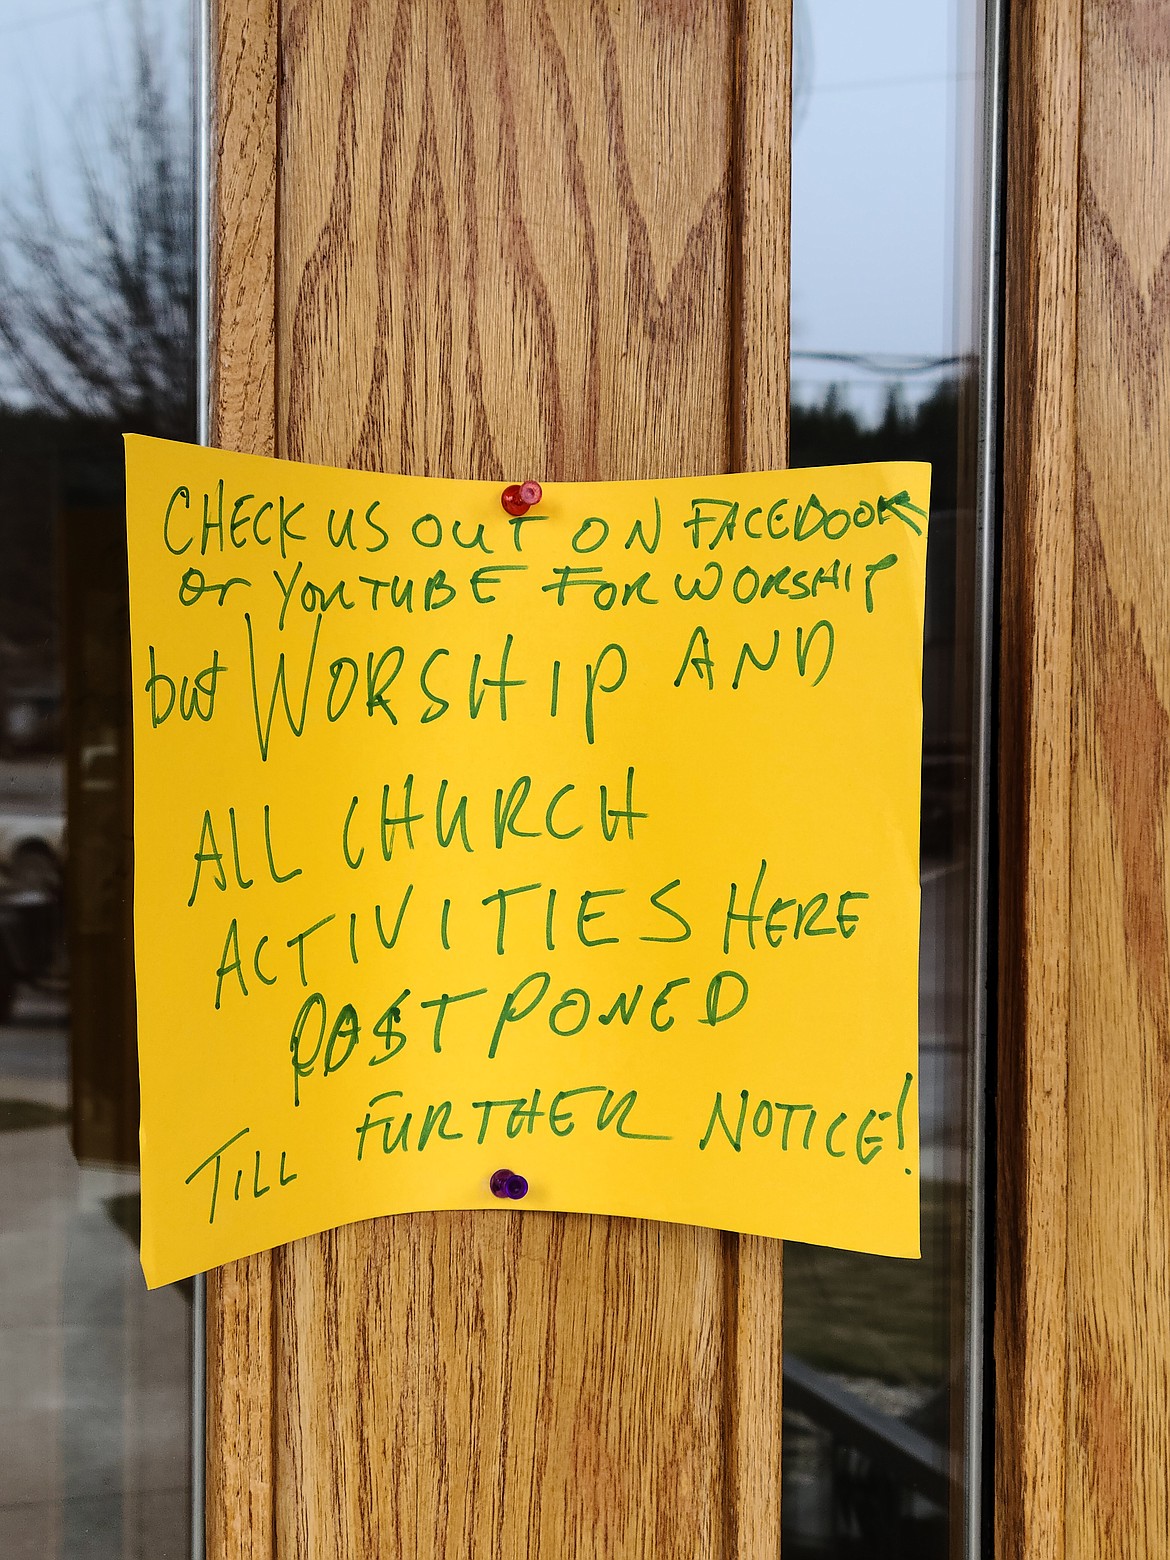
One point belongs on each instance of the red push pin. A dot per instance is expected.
(519, 498)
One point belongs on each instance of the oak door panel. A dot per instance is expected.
(508, 240)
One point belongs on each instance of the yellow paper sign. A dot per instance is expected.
(581, 844)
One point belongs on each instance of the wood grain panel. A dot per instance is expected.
(1035, 777)
(509, 239)
(1083, 1241)
(485, 236)
(1119, 1056)
(243, 282)
(240, 1354)
(760, 342)
(240, 1387)
(760, 317)
(505, 237)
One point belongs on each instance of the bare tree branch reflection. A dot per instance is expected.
(96, 261)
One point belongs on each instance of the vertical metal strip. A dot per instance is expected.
(978, 1411)
(201, 28)
(198, 1416)
(201, 22)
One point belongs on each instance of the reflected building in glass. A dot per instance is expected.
(888, 267)
(96, 296)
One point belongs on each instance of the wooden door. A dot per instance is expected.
(506, 238)
(491, 240)
(1082, 1244)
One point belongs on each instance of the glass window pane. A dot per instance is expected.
(96, 287)
(887, 275)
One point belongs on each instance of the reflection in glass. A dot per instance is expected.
(96, 283)
(887, 234)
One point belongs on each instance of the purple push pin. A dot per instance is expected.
(507, 1184)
